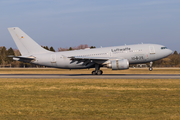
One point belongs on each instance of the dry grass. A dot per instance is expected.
(89, 99)
(86, 71)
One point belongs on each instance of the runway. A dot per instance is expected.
(89, 76)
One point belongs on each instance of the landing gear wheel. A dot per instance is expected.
(150, 66)
(94, 73)
(150, 69)
(99, 72)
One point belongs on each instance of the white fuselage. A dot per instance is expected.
(140, 53)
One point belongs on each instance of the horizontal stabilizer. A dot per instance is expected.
(21, 58)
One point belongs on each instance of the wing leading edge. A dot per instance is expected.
(89, 58)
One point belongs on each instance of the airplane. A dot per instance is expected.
(116, 58)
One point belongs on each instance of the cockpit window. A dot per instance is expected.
(163, 47)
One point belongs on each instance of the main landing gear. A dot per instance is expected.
(97, 71)
(150, 66)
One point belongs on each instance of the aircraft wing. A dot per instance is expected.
(89, 58)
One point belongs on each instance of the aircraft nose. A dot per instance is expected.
(170, 51)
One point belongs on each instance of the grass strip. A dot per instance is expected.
(89, 99)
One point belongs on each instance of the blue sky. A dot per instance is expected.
(69, 23)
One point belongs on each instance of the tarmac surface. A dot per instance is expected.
(89, 76)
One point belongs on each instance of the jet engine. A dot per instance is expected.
(119, 64)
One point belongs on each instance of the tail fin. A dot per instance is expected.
(25, 44)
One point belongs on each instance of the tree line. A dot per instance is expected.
(171, 61)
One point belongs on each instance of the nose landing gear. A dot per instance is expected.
(150, 66)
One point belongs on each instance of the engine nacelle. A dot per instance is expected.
(119, 64)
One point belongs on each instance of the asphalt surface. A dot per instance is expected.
(89, 76)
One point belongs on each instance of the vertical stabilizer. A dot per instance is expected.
(25, 44)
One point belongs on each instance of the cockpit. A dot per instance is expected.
(163, 48)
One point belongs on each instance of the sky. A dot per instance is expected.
(69, 23)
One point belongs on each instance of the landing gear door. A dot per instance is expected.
(151, 50)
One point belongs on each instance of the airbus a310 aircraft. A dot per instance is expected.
(116, 58)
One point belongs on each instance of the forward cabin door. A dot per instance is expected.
(53, 60)
(152, 52)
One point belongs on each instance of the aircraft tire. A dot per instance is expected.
(99, 72)
(150, 69)
(94, 73)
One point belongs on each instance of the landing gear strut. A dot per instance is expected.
(97, 71)
(150, 66)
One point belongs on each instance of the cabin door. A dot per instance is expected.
(151, 50)
(53, 60)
